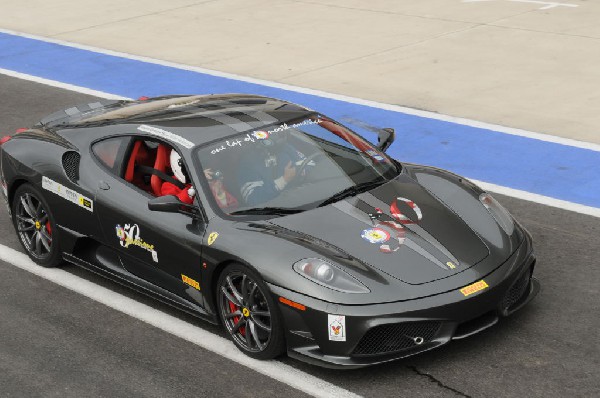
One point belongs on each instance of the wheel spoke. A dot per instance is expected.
(254, 334)
(251, 297)
(46, 241)
(45, 234)
(238, 325)
(25, 204)
(44, 219)
(231, 298)
(245, 290)
(248, 338)
(38, 244)
(31, 206)
(38, 210)
(26, 229)
(25, 219)
(233, 315)
(261, 325)
(261, 313)
(234, 291)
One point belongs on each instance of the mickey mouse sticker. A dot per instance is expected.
(390, 235)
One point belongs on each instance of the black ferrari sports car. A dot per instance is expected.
(272, 219)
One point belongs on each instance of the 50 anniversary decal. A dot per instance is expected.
(130, 235)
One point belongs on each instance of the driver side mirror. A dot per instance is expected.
(386, 138)
(170, 204)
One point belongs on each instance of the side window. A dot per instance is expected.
(146, 165)
(108, 151)
(140, 161)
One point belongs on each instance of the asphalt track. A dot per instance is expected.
(54, 342)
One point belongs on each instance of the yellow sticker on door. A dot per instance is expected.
(189, 281)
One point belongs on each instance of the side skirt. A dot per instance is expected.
(131, 281)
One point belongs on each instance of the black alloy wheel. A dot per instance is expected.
(249, 313)
(35, 226)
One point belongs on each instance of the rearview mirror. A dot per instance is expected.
(170, 204)
(386, 138)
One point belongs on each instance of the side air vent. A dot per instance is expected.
(70, 161)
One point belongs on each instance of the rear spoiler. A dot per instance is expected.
(75, 112)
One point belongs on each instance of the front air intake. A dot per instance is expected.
(70, 161)
(516, 293)
(395, 337)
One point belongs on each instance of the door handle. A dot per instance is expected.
(103, 186)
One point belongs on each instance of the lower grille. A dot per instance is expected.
(390, 338)
(517, 290)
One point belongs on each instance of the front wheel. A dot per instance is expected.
(35, 226)
(249, 313)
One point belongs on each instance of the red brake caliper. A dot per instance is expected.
(49, 228)
(234, 308)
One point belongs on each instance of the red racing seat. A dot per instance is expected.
(139, 154)
(160, 164)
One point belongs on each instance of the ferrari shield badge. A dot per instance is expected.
(337, 327)
(212, 237)
(375, 235)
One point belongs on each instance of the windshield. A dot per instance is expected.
(290, 166)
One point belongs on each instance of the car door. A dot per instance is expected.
(164, 249)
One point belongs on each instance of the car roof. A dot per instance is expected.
(197, 119)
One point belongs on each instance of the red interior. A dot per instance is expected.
(162, 157)
(143, 156)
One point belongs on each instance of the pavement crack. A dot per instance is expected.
(438, 382)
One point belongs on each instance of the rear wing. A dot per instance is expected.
(77, 112)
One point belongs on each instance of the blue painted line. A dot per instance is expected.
(545, 168)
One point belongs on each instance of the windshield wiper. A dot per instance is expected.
(353, 190)
(280, 211)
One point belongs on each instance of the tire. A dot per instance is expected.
(35, 226)
(250, 316)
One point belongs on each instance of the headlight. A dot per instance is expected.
(328, 275)
(500, 214)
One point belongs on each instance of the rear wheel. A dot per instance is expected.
(35, 226)
(249, 313)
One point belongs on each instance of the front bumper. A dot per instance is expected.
(380, 333)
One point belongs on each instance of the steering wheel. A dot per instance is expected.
(300, 170)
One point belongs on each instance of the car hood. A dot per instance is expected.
(398, 228)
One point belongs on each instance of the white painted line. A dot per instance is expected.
(354, 100)
(170, 324)
(55, 83)
(515, 193)
(546, 5)
(545, 200)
